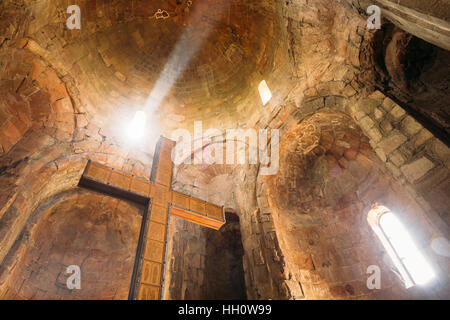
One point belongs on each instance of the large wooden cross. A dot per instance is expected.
(160, 201)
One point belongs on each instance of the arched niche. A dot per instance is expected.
(204, 263)
(329, 176)
(97, 233)
(200, 172)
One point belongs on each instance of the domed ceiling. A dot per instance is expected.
(184, 59)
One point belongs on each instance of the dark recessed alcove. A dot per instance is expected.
(224, 276)
(413, 73)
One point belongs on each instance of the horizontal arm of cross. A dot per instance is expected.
(123, 185)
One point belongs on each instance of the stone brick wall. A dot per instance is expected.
(225, 278)
(185, 263)
(264, 263)
(204, 263)
(383, 185)
(340, 89)
(95, 232)
(325, 251)
(322, 226)
(235, 187)
(101, 73)
(15, 113)
(35, 99)
(410, 71)
(416, 158)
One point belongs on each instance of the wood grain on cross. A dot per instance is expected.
(160, 201)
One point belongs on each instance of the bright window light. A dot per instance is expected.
(264, 92)
(408, 259)
(136, 128)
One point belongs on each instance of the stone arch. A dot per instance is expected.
(25, 198)
(97, 233)
(321, 227)
(43, 173)
(205, 176)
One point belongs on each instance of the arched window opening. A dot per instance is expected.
(264, 92)
(410, 262)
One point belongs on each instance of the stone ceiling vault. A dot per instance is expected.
(208, 54)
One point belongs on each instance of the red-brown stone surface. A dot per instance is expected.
(67, 96)
(97, 233)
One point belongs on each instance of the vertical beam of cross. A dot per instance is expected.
(153, 250)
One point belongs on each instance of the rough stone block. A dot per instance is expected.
(394, 170)
(366, 123)
(350, 154)
(377, 95)
(397, 158)
(423, 136)
(391, 143)
(397, 112)
(411, 126)
(313, 105)
(379, 113)
(386, 126)
(417, 169)
(381, 154)
(441, 150)
(388, 104)
(295, 289)
(368, 105)
(375, 134)
(359, 115)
